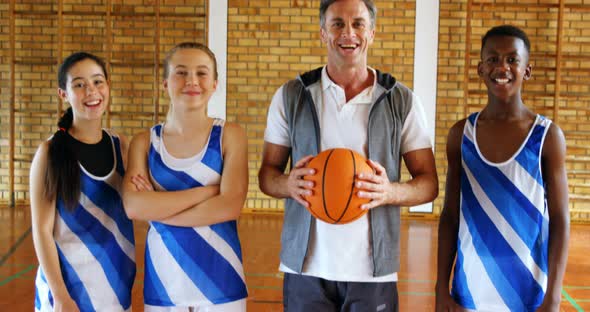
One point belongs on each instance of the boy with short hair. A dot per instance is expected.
(505, 214)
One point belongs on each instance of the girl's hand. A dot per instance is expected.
(65, 305)
(142, 183)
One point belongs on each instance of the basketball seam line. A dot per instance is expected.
(324, 187)
(351, 190)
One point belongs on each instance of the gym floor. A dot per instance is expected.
(260, 235)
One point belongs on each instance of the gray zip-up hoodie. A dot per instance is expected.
(386, 118)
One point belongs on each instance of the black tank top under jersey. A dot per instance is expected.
(98, 159)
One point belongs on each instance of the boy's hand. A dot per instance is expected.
(445, 303)
(547, 306)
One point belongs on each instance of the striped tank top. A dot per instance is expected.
(502, 243)
(95, 245)
(191, 266)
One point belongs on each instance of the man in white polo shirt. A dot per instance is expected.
(345, 104)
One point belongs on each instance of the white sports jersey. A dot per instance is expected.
(503, 231)
(191, 266)
(95, 245)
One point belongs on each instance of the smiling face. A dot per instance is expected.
(191, 78)
(87, 90)
(347, 32)
(504, 67)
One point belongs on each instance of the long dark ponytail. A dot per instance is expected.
(63, 171)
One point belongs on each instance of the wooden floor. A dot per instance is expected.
(260, 242)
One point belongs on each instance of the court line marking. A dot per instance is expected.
(17, 275)
(571, 300)
(14, 246)
(16, 265)
(577, 287)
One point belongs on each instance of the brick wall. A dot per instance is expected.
(270, 42)
(540, 19)
(127, 35)
(574, 105)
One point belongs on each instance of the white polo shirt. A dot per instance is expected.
(343, 252)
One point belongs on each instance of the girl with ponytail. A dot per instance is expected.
(82, 237)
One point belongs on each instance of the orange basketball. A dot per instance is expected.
(334, 199)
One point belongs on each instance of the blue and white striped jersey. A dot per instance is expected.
(95, 245)
(504, 225)
(191, 266)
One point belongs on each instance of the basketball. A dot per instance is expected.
(334, 199)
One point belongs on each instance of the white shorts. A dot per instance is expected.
(234, 306)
